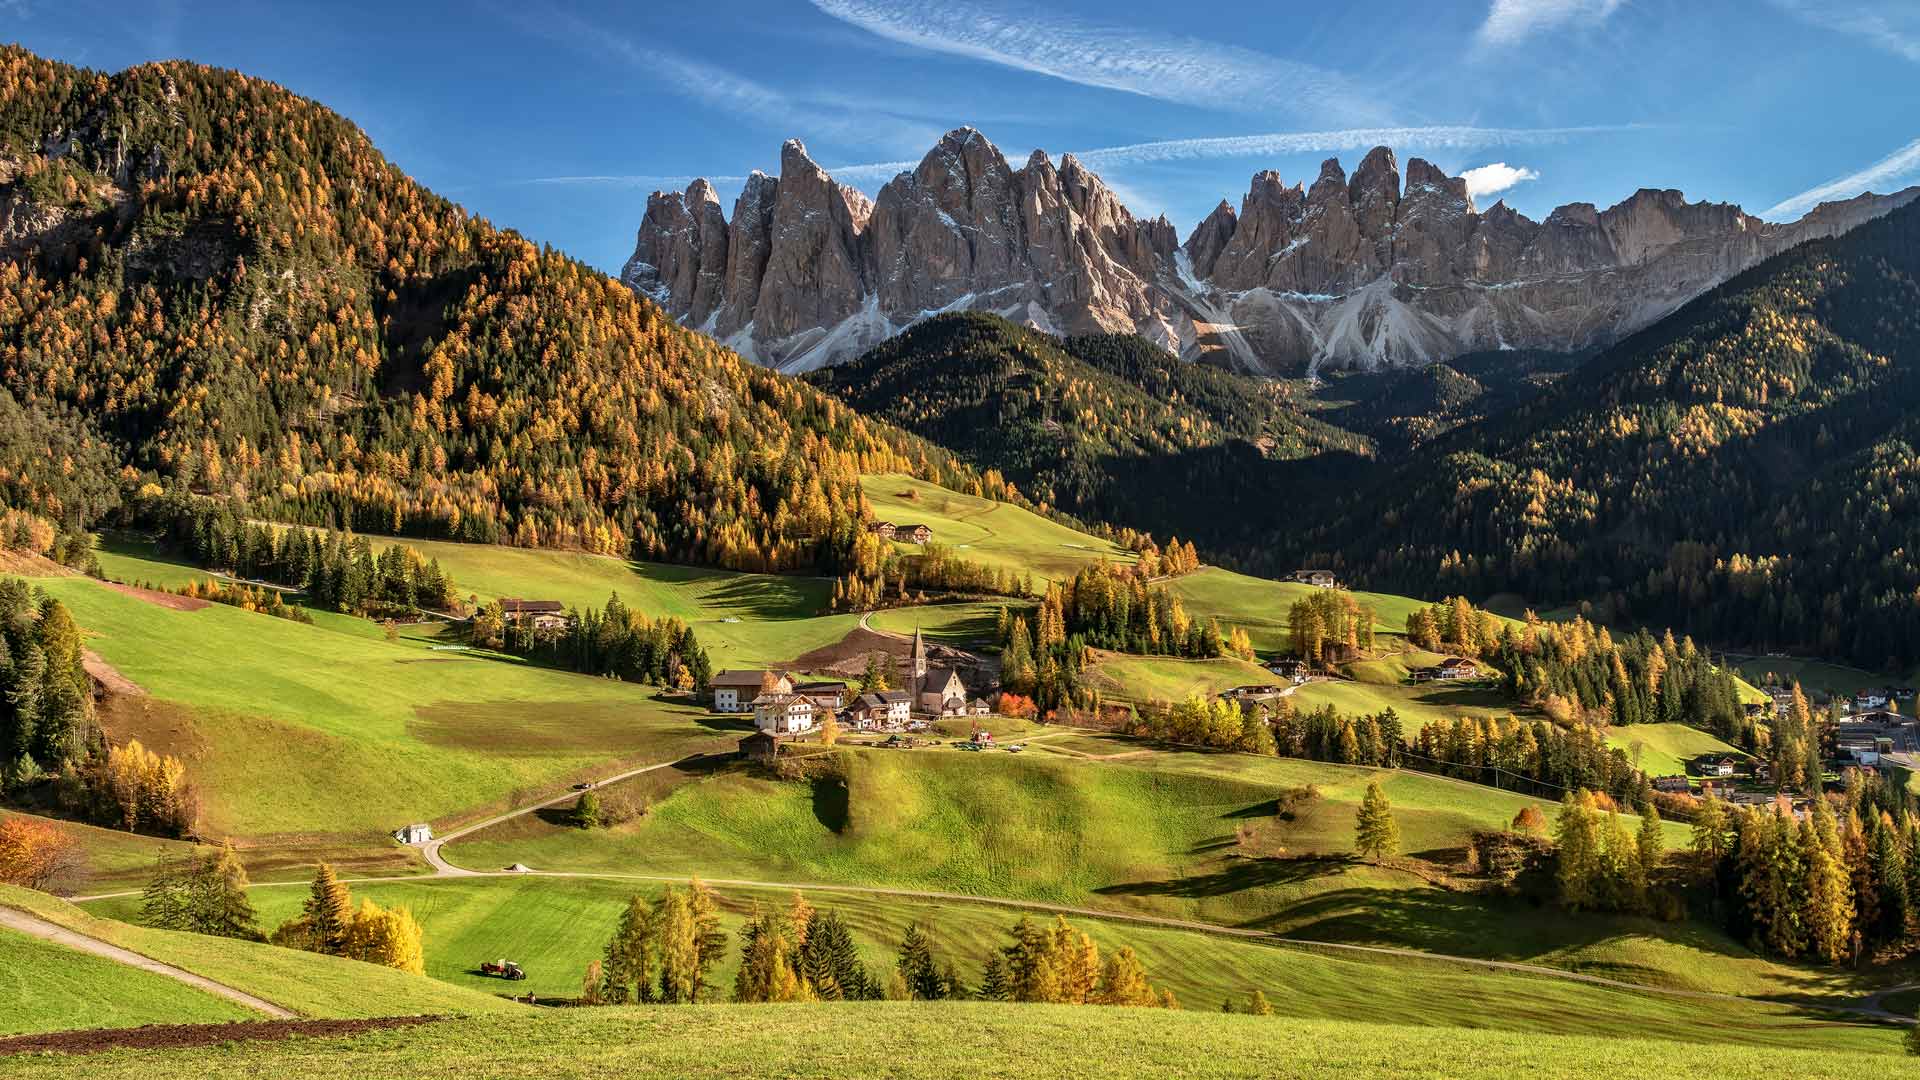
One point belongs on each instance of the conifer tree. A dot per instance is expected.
(1577, 835)
(1376, 833)
(631, 955)
(1651, 843)
(329, 912)
(993, 979)
(1828, 888)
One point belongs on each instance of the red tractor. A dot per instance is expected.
(502, 969)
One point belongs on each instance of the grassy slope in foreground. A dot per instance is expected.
(957, 1040)
(1181, 834)
(555, 927)
(294, 728)
(307, 983)
(995, 534)
(47, 987)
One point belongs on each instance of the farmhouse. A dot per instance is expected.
(1672, 785)
(979, 707)
(1714, 765)
(782, 714)
(1869, 700)
(826, 696)
(1294, 671)
(883, 529)
(734, 690)
(912, 534)
(539, 614)
(1319, 579)
(1456, 667)
(414, 834)
(881, 707)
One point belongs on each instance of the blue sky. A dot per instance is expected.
(557, 118)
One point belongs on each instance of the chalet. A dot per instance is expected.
(761, 746)
(826, 696)
(734, 690)
(539, 614)
(1672, 785)
(414, 834)
(979, 707)
(881, 707)
(1294, 671)
(1319, 579)
(782, 714)
(1456, 667)
(1869, 700)
(1756, 709)
(883, 529)
(912, 534)
(1714, 765)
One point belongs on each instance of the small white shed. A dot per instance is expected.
(414, 834)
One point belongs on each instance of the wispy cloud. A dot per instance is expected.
(1184, 70)
(1443, 137)
(802, 114)
(1512, 21)
(1494, 178)
(1893, 25)
(1884, 174)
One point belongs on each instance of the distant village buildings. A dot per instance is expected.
(538, 614)
(1319, 579)
(734, 690)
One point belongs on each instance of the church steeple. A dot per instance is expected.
(919, 659)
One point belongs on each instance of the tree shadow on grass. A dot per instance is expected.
(1240, 876)
(768, 598)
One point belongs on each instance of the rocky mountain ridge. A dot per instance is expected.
(1363, 271)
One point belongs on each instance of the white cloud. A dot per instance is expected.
(1884, 175)
(1511, 21)
(1184, 70)
(1443, 137)
(1494, 178)
(1893, 25)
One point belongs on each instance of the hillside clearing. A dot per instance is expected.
(994, 534)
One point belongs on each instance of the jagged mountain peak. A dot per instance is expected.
(1380, 267)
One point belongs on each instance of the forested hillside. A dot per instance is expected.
(210, 285)
(1748, 470)
(1107, 427)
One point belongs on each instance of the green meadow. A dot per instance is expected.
(991, 533)
(1259, 605)
(1665, 749)
(554, 927)
(974, 1039)
(49, 987)
(295, 730)
(1169, 678)
(305, 983)
(969, 625)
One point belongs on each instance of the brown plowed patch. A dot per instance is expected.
(178, 1036)
(163, 599)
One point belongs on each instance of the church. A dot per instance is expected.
(937, 691)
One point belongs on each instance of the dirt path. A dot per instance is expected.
(109, 676)
(34, 926)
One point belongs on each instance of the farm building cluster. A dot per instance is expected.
(906, 534)
(784, 703)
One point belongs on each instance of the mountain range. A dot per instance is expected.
(1366, 271)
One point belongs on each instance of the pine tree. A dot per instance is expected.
(1257, 1004)
(227, 911)
(1651, 843)
(329, 912)
(1577, 834)
(631, 955)
(1376, 834)
(993, 979)
(1828, 889)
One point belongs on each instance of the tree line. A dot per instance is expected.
(616, 641)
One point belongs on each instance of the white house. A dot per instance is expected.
(882, 707)
(414, 834)
(1869, 700)
(782, 714)
(734, 691)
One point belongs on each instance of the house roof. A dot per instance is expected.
(818, 687)
(940, 676)
(781, 699)
(517, 606)
(879, 698)
(1456, 662)
(740, 677)
(911, 528)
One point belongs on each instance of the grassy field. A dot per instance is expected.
(1665, 749)
(1417, 703)
(987, 532)
(968, 625)
(46, 987)
(1167, 678)
(1259, 605)
(292, 729)
(970, 1040)
(306, 983)
(1816, 677)
(1181, 834)
(555, 927)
